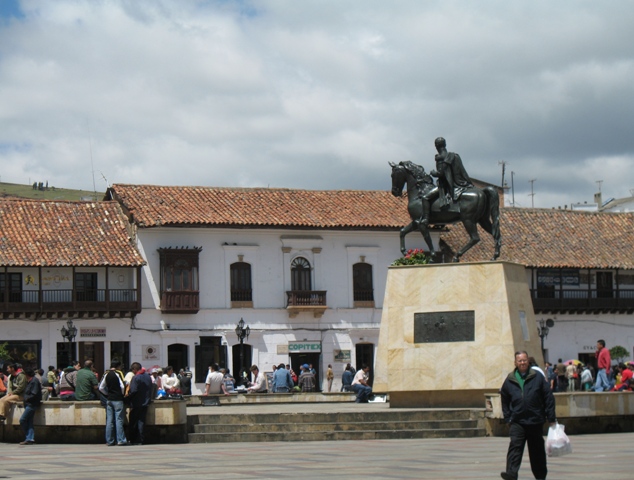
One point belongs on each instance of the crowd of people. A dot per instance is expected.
(116, 391)
(573, 376)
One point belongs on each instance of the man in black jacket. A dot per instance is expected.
(113, 387)
(32, 400)
(139, 398)
(527, 402)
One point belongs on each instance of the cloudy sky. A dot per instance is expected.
(318, 94)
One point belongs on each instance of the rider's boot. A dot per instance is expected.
(424, 220)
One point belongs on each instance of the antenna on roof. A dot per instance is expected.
(105, 180)
(92, 165)
(503, 163)
(532, 194)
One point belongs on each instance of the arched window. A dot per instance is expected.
(300, 274)
(241, 290)
(362, 287)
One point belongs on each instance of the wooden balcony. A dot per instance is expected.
(69, 303)
(583, 301)
(306, 301)
(180, 302)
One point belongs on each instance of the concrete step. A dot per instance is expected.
(334, 435)
(332, 417)
(336, 427)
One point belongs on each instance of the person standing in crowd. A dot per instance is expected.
(86, 384)
(185, 382)
(586, 379)
(571, 371)
(360, 384)
(307, 381)
(214, 383)
(527, 402)
(139, 396)
(330, 375)
(113, 387)
(562, 385)
(32, 400)
(603, 365)
(282, 381)
(15, 389)
(346, 379)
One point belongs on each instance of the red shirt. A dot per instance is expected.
(626, 375)
(603, 359)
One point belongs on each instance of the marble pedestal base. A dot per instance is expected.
(449, 332)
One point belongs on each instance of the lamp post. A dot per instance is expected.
(543, 329)
(242, 333)
(69, 332)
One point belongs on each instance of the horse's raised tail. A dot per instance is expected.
(493, 200)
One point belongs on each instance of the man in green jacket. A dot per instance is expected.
(15, 389)
(86, 383)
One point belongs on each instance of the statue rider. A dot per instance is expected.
(453, 180)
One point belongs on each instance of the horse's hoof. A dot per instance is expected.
(455, 259)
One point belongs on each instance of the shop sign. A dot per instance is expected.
(304, 347)
(92, 332)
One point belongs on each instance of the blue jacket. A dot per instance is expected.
(282, 378)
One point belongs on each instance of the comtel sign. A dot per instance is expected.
(304, 347)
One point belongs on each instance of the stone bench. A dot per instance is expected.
(59, 421)
(580, 412)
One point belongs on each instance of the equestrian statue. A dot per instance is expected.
(453, 199)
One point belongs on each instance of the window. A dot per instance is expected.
(300, 274)
(86, 286)
(11, 283)
(241, 291)
(179, 280)
(362, 283)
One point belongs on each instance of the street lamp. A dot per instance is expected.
(69, 332)
(543, 329)
(242, 333)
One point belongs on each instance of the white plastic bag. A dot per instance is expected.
(557, 443)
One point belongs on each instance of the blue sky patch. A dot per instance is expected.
(10, 9)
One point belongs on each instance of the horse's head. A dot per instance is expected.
(399, 177)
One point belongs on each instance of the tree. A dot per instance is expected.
(619, 353)
(4, 354)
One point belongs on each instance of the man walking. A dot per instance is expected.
(32, 400)
(115, 411)
(603, 365)
(527, 402)
(140, 396)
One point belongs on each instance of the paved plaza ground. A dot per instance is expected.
(595, 457)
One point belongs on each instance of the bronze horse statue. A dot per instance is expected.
(475, 206)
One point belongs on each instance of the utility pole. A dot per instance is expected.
(513, 188)
(503, 163)
(532, 194)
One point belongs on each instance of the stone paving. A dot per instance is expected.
(595, 457)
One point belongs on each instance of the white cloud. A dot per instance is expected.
(318, 94)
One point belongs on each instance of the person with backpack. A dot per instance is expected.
(113, 387)
(32, 400)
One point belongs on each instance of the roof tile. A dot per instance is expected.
(58, 233)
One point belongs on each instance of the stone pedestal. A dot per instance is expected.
(449, 332)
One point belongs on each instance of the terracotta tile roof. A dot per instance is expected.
(151, 206)
(58, 233)
(555, 239)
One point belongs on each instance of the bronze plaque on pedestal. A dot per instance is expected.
(436, 327)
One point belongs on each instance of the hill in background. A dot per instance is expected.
(53, 193)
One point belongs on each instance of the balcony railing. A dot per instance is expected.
(546, 300)
(306, 301)
(96, 302)
(180, 302)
